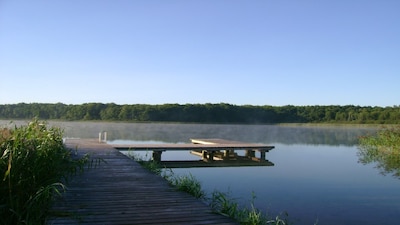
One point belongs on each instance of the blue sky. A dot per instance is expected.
(266, 52)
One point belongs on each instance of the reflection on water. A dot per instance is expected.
(383, 150)
(323, 183)
(316, 174)
(387, 162)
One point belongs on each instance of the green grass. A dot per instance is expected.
(187, 183)
(220, 202)
(34, 162)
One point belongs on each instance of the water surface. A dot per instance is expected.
(316, 177)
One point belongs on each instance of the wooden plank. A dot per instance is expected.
(186, 147)
(213, 141)
(120, 191)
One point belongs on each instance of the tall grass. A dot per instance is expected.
(187, 183)
(222, 203)
(33, 163)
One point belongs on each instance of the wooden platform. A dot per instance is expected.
(208, 149)
(197, 144)
(120, 191)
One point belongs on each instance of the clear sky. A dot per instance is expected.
(269, 52)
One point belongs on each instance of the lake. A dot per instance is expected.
(317, 176)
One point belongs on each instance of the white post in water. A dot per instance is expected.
(105, 136)
(100, 137)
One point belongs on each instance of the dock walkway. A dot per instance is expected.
(120, 191)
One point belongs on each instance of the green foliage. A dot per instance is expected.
(188, 184)
(205, 113)
(33, 162)
(221, 203)
(383, 149)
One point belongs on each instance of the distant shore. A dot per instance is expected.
(221, 113)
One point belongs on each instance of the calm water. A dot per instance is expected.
(316, 176)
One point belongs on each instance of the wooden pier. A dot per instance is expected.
(213, 153)
(120, 191)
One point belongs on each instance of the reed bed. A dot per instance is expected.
(34, 167)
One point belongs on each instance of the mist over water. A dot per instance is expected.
(172, 133)
(316, 176)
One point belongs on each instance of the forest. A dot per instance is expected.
(203, 113)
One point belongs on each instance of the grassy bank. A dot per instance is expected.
(34, 167)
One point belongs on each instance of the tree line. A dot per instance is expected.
(203, 113)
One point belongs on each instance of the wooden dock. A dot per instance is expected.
(210, 150)
(120, 191)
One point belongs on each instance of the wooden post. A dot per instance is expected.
(226, 153)
(211, 155)
(204, 155)
(250, 153)
(105, 136)
(100, 137)
(157, 156)
(262, 155)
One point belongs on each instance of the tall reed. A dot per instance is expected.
(33, 163)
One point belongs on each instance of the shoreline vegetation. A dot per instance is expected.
(221, 113)
(383, 149)
(35, 166)
(219, 202)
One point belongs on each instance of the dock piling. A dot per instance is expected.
(101, 134)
